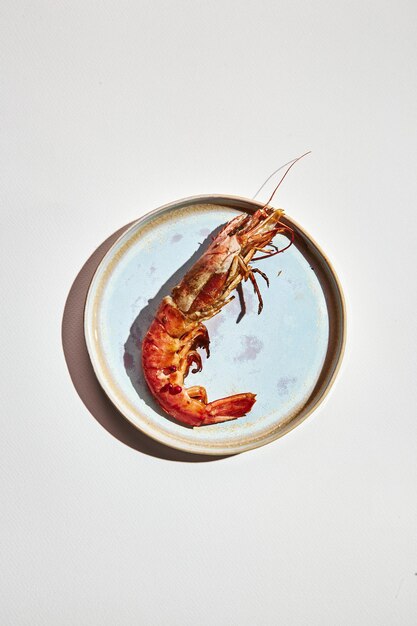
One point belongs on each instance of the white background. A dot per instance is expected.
(110, 109)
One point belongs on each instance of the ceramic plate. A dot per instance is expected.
(289, 355)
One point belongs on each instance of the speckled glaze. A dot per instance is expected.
(288, 356)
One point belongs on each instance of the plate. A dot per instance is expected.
(289, 355)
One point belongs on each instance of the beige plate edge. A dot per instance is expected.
(236, 202)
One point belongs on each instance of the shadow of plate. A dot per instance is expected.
(82, 373)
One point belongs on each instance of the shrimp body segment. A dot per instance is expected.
(169, 348)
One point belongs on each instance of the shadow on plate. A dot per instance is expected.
(133, 347)
(81, 370)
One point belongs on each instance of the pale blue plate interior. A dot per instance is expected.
(278, 355)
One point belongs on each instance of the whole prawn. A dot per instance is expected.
(169, 347)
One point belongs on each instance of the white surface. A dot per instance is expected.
(110, 109)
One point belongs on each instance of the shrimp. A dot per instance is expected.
(169, 348)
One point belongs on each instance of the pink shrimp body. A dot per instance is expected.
(169, 347)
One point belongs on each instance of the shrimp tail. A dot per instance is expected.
(229, 408)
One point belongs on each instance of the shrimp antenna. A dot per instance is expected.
(284, 175)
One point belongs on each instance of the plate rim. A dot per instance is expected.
(234, 202)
